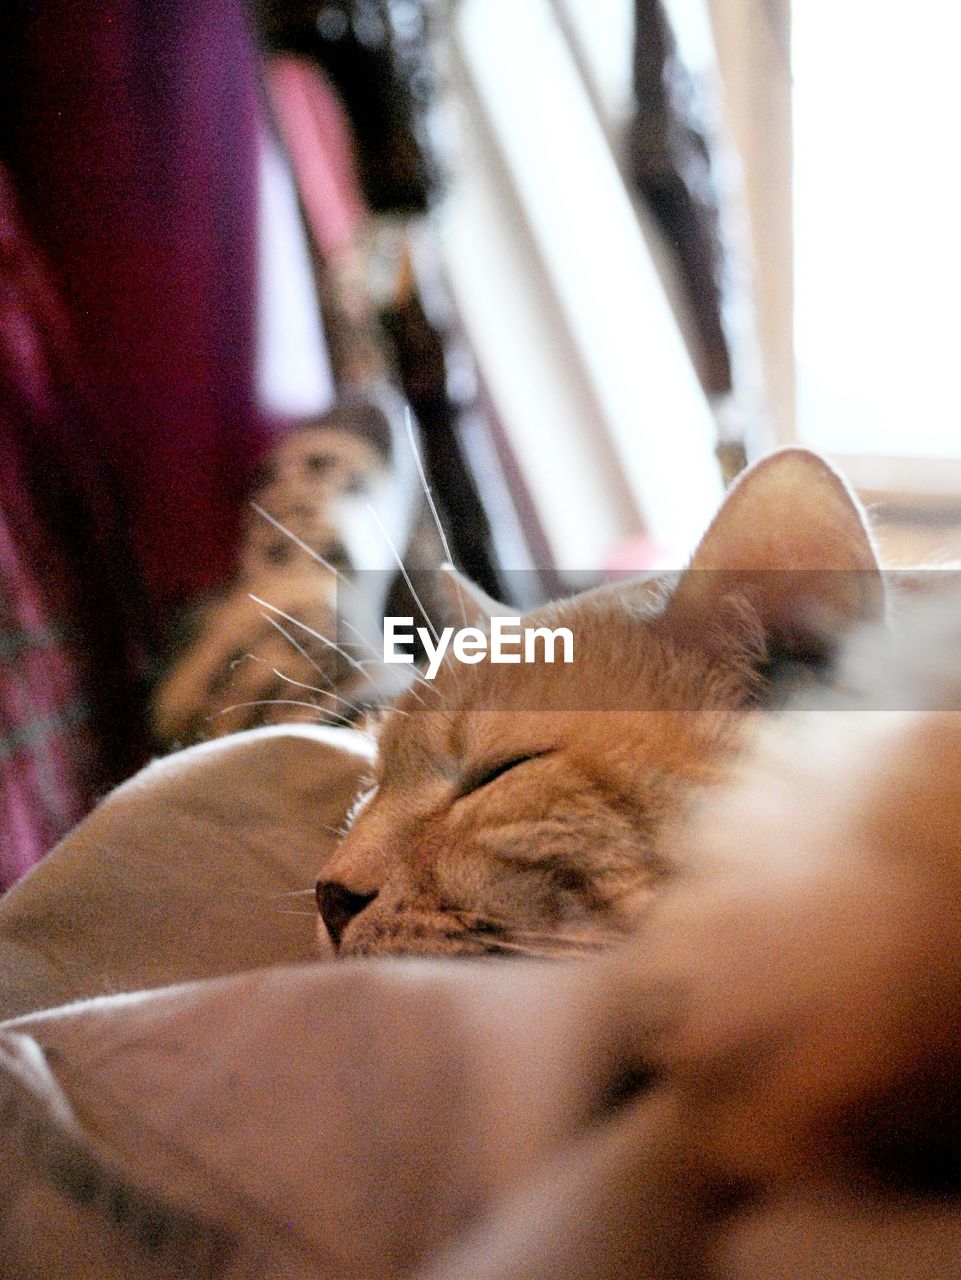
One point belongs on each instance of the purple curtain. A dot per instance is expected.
(129, 428)
(130, 131)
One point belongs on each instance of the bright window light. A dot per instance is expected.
(877, 108)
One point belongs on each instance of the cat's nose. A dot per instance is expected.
(338, 906)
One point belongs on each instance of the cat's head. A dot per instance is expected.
(519, 808)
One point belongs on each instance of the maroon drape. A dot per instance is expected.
(130, 131)
(129, 428)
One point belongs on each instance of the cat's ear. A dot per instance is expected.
(463, 599)
(793, 539)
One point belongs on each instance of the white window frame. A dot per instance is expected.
(752, 38)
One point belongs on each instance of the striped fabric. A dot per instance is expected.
(50, 763)
(48, 754)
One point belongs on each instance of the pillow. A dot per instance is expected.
(202, 864)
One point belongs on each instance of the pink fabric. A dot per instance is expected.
(317, 135)
(51, 761)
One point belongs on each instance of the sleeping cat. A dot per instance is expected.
(519, 809)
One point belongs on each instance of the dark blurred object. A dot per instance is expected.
(732, 459)
(423, 367)
(377, 57)
(670, 157)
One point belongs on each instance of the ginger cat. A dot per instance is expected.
(519, 809)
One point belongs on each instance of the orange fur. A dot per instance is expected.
(561, 852)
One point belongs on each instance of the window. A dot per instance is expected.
(877, 212)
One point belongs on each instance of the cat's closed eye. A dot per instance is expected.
(483, 775)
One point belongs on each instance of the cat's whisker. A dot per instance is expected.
(297, 645)
(323, 693)
(435, 707)
(287, 635)
(415, 675)
(368, 662)
(249, 657)
(363, 641)
(244, 657)
(265, 604)
(289, 533)
(268, 702)
(339, 697)
(300, 684)
(409, 423)
(283, 702)
(377, 657)
(296, 893)
(332, 569)
(406, 576)
(337, 648)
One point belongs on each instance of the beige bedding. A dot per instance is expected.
(185, 871)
